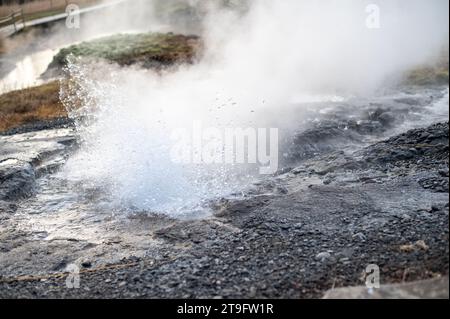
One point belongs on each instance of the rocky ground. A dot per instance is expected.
(354, 190)
(155, 51)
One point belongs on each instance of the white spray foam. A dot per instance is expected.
(253, 68)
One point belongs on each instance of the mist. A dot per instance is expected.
(257, 64)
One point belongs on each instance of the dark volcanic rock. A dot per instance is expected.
(295, 243)
(17, 179)
(344, 126)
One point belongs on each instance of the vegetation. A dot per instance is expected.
(433, 74)
(151, 50)
(33, 104)
(42, 103)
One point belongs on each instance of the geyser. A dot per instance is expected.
(253, 68)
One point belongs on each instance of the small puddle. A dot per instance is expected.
(26, 72)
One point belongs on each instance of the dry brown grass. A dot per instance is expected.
(29, 105)
(2, 46)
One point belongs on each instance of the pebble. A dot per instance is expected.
(360, 236)
(323, 256)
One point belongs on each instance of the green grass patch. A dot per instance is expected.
(148, 49)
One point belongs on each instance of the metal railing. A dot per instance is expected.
(16, 18)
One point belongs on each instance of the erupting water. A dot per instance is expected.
(249, 77)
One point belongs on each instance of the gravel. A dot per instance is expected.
(293, 244)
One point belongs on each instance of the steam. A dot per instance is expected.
(254, 68)
(283, 48)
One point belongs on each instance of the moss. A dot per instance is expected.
(126, 49)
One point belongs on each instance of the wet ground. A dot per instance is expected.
(363, 182)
